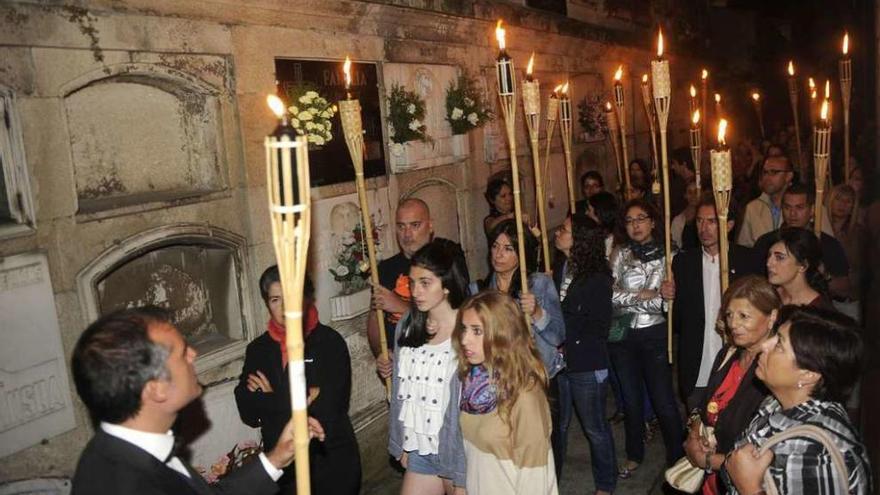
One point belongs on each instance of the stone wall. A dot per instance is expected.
(143, 114)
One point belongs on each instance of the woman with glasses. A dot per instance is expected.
(639, 326)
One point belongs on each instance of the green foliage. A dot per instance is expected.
(465, 108)
(406, 116)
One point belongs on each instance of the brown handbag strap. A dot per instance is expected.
(814, 433)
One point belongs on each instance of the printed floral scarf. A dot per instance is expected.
(478, 394)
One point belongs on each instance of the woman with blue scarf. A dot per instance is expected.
(505, 417)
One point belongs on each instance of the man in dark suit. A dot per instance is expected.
(134, 372)
(696, 286)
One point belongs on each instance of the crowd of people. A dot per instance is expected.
(487, 374)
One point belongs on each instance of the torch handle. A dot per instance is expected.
(569, 167)
(667, 234)
(533, 122)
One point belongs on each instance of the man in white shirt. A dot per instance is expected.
(135, 373)
(697, 277)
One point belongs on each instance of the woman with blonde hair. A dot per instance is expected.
(505, 417)
(843, 211)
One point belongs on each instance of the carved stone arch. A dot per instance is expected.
(197, 272)
(143, 133)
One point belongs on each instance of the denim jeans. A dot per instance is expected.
(561, 410)
(641, 358)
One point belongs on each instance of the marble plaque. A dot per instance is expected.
(35, 399)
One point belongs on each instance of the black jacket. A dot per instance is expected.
(110, 465)
(587, 312)
(689, 317)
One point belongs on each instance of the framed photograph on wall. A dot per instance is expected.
(330, 163)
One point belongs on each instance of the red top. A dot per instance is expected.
(722, 396)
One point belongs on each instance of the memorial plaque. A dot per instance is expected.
(35, 399)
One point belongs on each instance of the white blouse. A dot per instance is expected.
(424, 374)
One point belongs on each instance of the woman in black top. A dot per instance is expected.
(263, 392)
(585, 291)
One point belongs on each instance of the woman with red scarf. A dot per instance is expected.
(263, 391)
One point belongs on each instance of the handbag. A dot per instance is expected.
(620, 326)
(815, 433)
(684, 476)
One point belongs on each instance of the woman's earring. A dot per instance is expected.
(800, 385)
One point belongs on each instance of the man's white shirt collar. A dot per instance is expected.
(158, 445)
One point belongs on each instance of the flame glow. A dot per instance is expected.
(618, 74)
(756, 96)
(557, 89)
(717, 97)
(565, 88)
(845, 43)
(693, 91)
(722, 130)
(499, 35)
(811, 83)
(705, 74)
(276, 105)
(659, 43)
(607, 106)
(644, 79)
(827, 89)
(823, 114)
(695, 118)
(791, 68)
(346, 68)
(813, 94)
(531, 64)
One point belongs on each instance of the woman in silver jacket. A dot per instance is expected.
(638, 267)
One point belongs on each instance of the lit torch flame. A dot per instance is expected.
(276, 105)
(811, 83)
(813, 95)
(823, 114)
(756, 96)
(644, 79)
(557, 89)
(346, 68)
(696, 117)
(499, 35)
(791, 68)
(827, 89)
(565, 89)
(717, 97)
(705, 75)
(531, 64)
(845, 43)
(659, 43)
(693, 91)
(618, 74)
(722, 130)
(607, 106)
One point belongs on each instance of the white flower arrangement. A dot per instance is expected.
(311, 115)
(465, 109)
(406, 114)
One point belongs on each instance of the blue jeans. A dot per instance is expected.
(641, 358)
(561, 411)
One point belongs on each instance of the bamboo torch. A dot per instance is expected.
(756, 102)
(613, 130)
(531, 95)
(704, 95)
(793, 97)
(565, 127)
(719, 110)
(722, 183)
(552, 114)
(287, 173)
(507, 95)
(814, 109)
(352, 127)
(845, 93)
(662, 93)
(821, 156)
(620, 104)
(692, 102)
(648, 104)
(696, 132)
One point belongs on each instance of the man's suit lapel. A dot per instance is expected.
(168, 479)
(698, 286)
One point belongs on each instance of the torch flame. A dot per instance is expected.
(717, 97)
(499, 35)
(722, 130)
(845, 43)
(811, 83)
(565, 88)
(276, 105)
(791, 68)
(346, 68)
(557, 89)
(644, 79)
(704, 75)
(696, 117)
(813, 95)
(659, 43)
(693, 91)
(607, 106)
(756, 96)
(823, 114)
(619, 73)
(531, 64)
(827, 89)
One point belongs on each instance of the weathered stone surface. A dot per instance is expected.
(17, 70)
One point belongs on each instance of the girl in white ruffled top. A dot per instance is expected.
(424, 430)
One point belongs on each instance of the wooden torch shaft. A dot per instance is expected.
(667, 234)
(539, 194)
(569, 167)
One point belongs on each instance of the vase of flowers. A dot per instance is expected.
(352, 265)
(406, 116)
(311, 115)
(591, 117)
(465, 107)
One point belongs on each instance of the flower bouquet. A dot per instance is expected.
(406, 115)
(352, 266)
(311, 115)
(465, 108)
(591, 117)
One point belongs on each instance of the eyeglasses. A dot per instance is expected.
(774, 172)
(637, 220)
